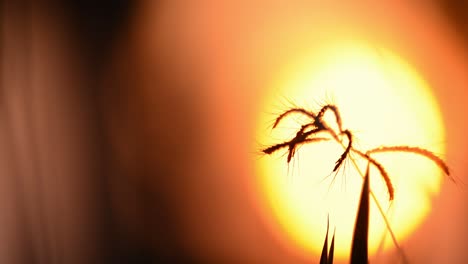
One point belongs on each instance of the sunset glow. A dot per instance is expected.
(383, 101)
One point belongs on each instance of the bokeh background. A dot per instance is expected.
(127, 128)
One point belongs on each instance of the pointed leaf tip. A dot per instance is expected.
(324, 255)
(332, 250)
(359, 252)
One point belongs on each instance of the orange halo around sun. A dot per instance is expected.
(384, 101)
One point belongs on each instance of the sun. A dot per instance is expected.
(383, 101)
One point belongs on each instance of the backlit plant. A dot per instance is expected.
(316, 129)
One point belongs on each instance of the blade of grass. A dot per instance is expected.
(324, 255)
(332, 250)
(359, 252)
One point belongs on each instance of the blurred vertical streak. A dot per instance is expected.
(17, 237)
(97, 27)
(24, 94)
(457, 13)
(140, 215)
(50, 193)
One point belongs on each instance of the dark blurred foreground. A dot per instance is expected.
(59, 173)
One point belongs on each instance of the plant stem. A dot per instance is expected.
(387, 223)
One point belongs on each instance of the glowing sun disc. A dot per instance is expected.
(384, 101)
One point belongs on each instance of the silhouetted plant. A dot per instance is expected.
(327, 255)
(361, 228)
(309, 133)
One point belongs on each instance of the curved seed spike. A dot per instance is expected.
(291, 111)
(335, 111)
(274, 148)
(345, 153)
(384, 174)
(313, 140)
(415, 150)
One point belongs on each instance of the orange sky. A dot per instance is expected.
(232, 50)
(174, 123)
